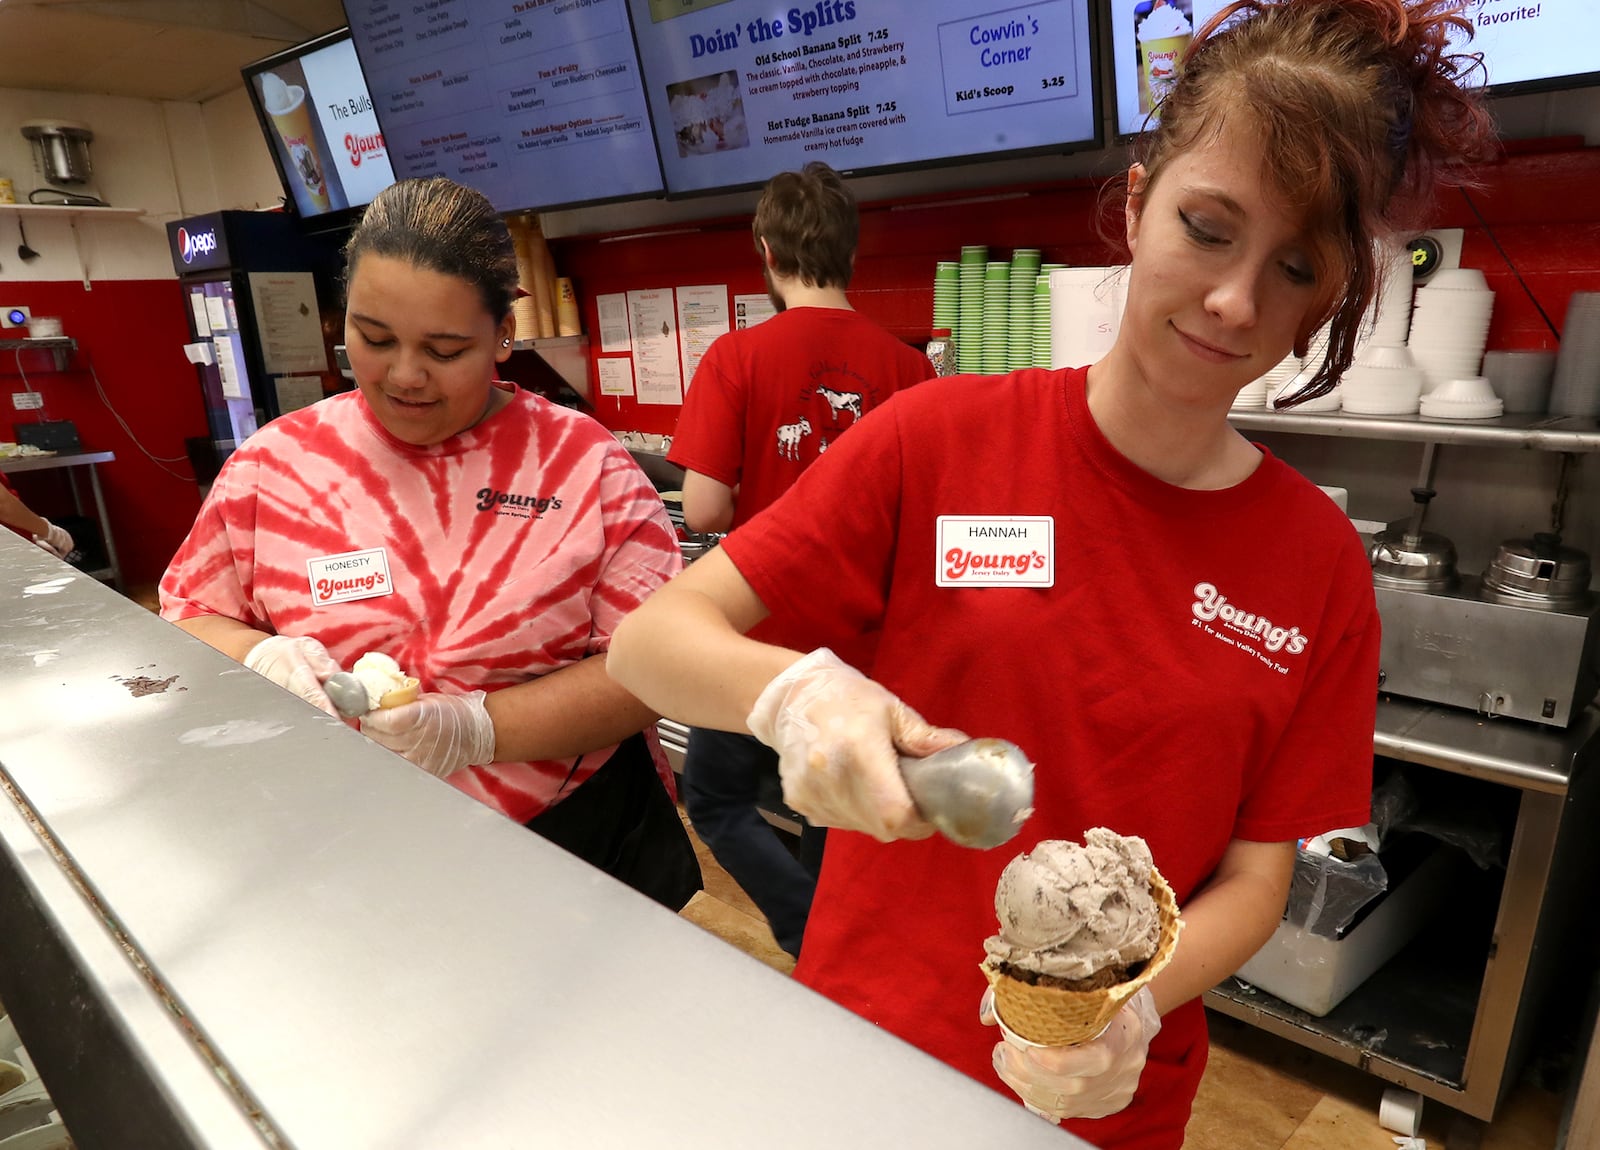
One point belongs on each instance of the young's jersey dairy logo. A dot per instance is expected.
(1245, 630)
(515, 505)
(348, 576)
(995, 551)
(359, 146)
(194, 244)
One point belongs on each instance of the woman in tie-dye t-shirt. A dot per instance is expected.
(488, 540)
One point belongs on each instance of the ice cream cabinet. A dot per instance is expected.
(259, 294)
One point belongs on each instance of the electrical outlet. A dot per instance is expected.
(27, 400)
(15, 316)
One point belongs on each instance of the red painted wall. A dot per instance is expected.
(131, 332)
(1540, 204)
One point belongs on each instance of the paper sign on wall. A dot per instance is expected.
(289, 322)
(616, 376)
(613, 323)
(653, 331)
(702, 317)
(749, 310)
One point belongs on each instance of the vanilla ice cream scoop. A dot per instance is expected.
(1071, 911)
(375, 680)
(275, 93)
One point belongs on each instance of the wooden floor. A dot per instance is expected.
(1259, 1093)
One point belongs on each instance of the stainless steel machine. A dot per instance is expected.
(1517, 641)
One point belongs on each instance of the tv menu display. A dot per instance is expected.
(1525, 44)
(313, 106)
(741, 90)
(536, 103)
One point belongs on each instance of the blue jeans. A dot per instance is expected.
(725, 776)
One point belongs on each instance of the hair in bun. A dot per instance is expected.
(1363, 112)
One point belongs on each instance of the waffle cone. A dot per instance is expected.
(402, 695)
(1052, 1016)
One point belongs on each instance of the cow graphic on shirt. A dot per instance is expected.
(789, 437)
(841, 401)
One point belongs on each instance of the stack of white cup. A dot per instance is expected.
(1253, 395)
(1383, 380)
(1450, 326)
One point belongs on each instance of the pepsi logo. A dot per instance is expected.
(196, 244)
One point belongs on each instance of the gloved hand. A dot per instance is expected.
(839, 737)
(55, 540)
(297, 663)
(1091, 1080)
(439, 733)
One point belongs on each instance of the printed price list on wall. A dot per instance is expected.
(536, 103)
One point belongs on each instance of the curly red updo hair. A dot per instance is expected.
(1363, 114)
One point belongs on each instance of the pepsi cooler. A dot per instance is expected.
(263, 349)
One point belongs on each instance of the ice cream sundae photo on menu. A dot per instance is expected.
(708, 115)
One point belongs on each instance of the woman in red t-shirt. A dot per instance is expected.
(1298, 134)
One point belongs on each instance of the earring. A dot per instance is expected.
(505, 343)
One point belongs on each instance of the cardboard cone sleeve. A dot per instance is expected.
(1054, 1016)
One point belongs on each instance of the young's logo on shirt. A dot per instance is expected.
(995, 551)
(349, 576)
(1243, 629)
(516, 505)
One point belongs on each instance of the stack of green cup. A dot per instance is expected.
(969, 330)
(946, 298)
(1041, 315)
(1019, 341)
(996, 317)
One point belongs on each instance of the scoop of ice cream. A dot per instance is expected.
(379, 674)
(275, 93)
(1070, 911)
(1164, 22)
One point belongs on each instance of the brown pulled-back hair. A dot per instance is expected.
(1361, 113)
(438, 224)
(808, 219)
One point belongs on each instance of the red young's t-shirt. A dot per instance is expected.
(767, 401)
(1203, 669)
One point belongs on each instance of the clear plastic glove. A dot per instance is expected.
(297, 663)
(1087, 1081)
(839, 737)
(55, 540)
(439, 733)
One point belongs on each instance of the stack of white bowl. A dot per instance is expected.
(1383, 380)
(1468, 398)
(1289, 387)
(1390, 312)
(1255, 394)
(1450, 325)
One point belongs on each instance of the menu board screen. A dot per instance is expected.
(1524, 43)
(743, 89)
(536, 103)
(313, 106)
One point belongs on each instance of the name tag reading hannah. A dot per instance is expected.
(352, 575)
(996, 551)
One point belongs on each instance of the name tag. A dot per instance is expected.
(996, 551)
(352, 575)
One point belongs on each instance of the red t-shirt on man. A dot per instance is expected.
(766, 401)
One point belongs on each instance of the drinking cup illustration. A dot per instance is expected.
(1163, 37)
(286, 103)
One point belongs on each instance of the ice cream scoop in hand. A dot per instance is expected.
(852, 755)
(440, 733)
(375, 680)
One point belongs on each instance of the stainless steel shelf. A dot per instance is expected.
(1518, 754)
(1534, 432)
(58, 343)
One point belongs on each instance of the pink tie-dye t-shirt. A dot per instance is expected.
(509, 551)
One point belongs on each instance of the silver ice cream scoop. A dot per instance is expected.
(978, 793)
(348, 694)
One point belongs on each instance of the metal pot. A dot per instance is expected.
(1412, 560)
(1538, 571)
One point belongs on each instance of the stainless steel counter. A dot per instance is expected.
(232, 922)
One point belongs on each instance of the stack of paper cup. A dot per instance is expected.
(996, 317)
(1577, 382)
(969, 332)
(1085, 313)
(1019, 312)
(567, 322)
(1521, 379)
(946, 303)
(1450, 325)
(1042, 315)
(1383, 380)
(1391, 314)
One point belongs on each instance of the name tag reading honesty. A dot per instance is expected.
(996, 551)
(352, 575)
